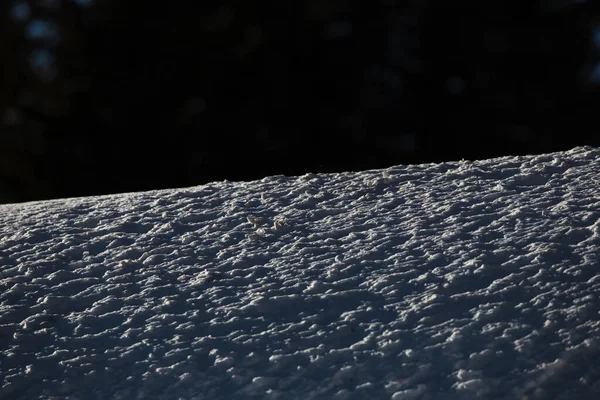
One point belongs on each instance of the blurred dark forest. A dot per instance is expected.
(107, 96)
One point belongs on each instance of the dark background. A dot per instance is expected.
(108, 96)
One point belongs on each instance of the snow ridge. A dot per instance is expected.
(459, 280)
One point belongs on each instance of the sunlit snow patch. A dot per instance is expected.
(460, 280)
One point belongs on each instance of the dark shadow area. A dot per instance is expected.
(107, 96)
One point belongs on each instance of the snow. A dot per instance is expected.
(458, 280)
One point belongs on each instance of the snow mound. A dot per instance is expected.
(459, 280)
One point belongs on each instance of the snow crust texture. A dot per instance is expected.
(460, 280)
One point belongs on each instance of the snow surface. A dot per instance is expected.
(460, 280)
